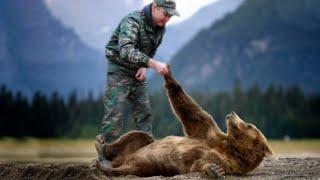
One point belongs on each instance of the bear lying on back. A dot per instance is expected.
(204, 148)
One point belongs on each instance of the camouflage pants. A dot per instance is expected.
(121, 89)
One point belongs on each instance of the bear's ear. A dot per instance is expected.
(268, 152)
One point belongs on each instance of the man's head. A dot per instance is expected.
(162, 11)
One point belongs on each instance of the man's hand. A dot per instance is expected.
(141, 74)
(160, 67)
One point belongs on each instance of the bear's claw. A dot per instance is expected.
(215, 171)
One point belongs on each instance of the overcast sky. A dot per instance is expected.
(186, 8)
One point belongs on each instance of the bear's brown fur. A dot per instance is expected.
(205, 148)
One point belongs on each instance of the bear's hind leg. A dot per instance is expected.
(125, 146)
(123, 170)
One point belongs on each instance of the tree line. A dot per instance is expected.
(278, 112)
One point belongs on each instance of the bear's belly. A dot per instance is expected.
(171, 155)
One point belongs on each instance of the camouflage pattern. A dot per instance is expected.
(132, 44)
(169, 6)
(121, 88)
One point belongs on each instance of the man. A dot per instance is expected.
(130, 52)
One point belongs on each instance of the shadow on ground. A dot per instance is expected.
(271, 168)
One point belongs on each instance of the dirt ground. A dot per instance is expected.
(271, 168)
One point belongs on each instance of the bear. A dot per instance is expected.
(204, 148)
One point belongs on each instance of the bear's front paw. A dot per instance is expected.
(215, 171)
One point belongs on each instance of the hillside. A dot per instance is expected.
(265, 41)
(93, 20)
(180, 34)
(38, 53)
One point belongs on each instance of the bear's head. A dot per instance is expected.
(246, 136)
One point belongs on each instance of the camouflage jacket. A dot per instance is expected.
(134, 42)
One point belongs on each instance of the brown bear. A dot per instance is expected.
(205, 148)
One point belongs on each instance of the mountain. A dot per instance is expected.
(265, 41)
(178, 35)
(38, 53)
(92, 20)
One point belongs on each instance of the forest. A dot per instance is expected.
(278, 112)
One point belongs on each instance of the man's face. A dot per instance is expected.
(160, 16)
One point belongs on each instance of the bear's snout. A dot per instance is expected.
(230, 116)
